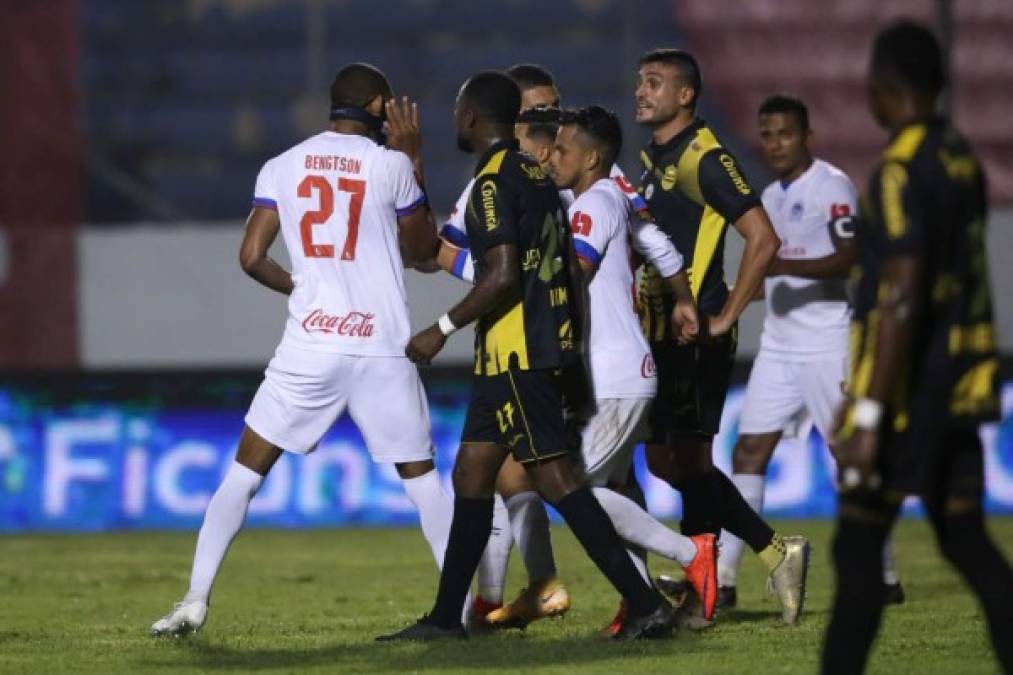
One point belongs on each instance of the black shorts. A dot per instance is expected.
(521, 410)
(692, 384)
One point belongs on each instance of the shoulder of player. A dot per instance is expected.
(830, 179)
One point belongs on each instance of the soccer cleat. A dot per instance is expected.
(727, 597)
(477, 613)
(538, 601)
(186, 617)
(657, 624)
(788, 579)
(689, 615)
(613, 628)
(674, 589)
(702, 573)
(424, 631)
(893, 594)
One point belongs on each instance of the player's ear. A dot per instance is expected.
(375, 105)
(592, 160)
(543, 152)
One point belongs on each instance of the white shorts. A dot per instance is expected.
(609, 438)
(304, 393)
(786, 396)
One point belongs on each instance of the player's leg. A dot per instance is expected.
(956, 513)
(864, 521)
(545, 595)
(492, 568)
(821, 383)
(388, 404)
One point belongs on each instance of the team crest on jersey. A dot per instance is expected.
(669, 178)
(796, 211)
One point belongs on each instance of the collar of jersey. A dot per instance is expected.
(679, 138)
(507, 144)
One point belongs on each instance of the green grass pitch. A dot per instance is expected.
(312, 601)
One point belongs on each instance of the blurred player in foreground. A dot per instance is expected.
(345, 205)
(527, 301)
(798, 374)
(924, 358)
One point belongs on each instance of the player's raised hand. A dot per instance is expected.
(685, 322)
(425, 345)
(403, 130)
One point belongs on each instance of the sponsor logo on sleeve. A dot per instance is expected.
(733, 172)
(489, 216)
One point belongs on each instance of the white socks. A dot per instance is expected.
(436, 511)
(890, 576)
(530, 524)
(751, 487)
(492, 568)
(222, 521)
(636, 526)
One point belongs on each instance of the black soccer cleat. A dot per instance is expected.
(893, 594)
(658, 624)
(727, 597)
(674, 589)
(424, 631)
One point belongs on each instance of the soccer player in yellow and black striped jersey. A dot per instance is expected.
(527, 288)
(694, 190)
(924, 355)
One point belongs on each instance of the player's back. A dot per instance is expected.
(620, 359)
(927, 198)
(338, 197)
(514, 202)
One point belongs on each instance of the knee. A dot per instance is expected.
(409, 470)
(470, 481)
(750, 455)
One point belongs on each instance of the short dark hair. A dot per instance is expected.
(357, 84)
(681, 60)
(782, 103)
(529, 75)
(542, 122)
(601, 126)
(909, 54)
(494, 95)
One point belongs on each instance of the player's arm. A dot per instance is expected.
(726, 190)
(841, 226)
(261, 230)
(899, 300)
(654, 245)
(499, 283)
(417, 236)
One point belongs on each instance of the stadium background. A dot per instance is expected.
(130, 341)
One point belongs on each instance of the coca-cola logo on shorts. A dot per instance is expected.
(647, 368)
(353, 324)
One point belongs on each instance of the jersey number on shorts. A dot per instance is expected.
(357, 188)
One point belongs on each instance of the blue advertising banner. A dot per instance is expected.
(132, 465)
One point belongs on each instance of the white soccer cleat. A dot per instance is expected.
(186, 617)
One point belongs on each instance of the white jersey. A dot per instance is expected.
(807, 319)
(619, 356)
(338, 197)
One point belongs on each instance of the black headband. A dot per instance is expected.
(357, 114)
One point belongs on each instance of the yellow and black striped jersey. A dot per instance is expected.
(927, 199)
(513, 202)
(694, 188)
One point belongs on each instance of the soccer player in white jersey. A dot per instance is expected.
(345, 205)
(798, 374)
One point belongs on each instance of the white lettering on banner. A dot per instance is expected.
(61, 469)
(272, 497)
(135, 482)
(352, 484)
(168, 491)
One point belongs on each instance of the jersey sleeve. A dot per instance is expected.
(265, 192)
(493, 201)
(635, 198)
(653, 244)
(902, 215)
(454, 231)
(407, 194)
(724, 186)
(592, 226)
(840, 207)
